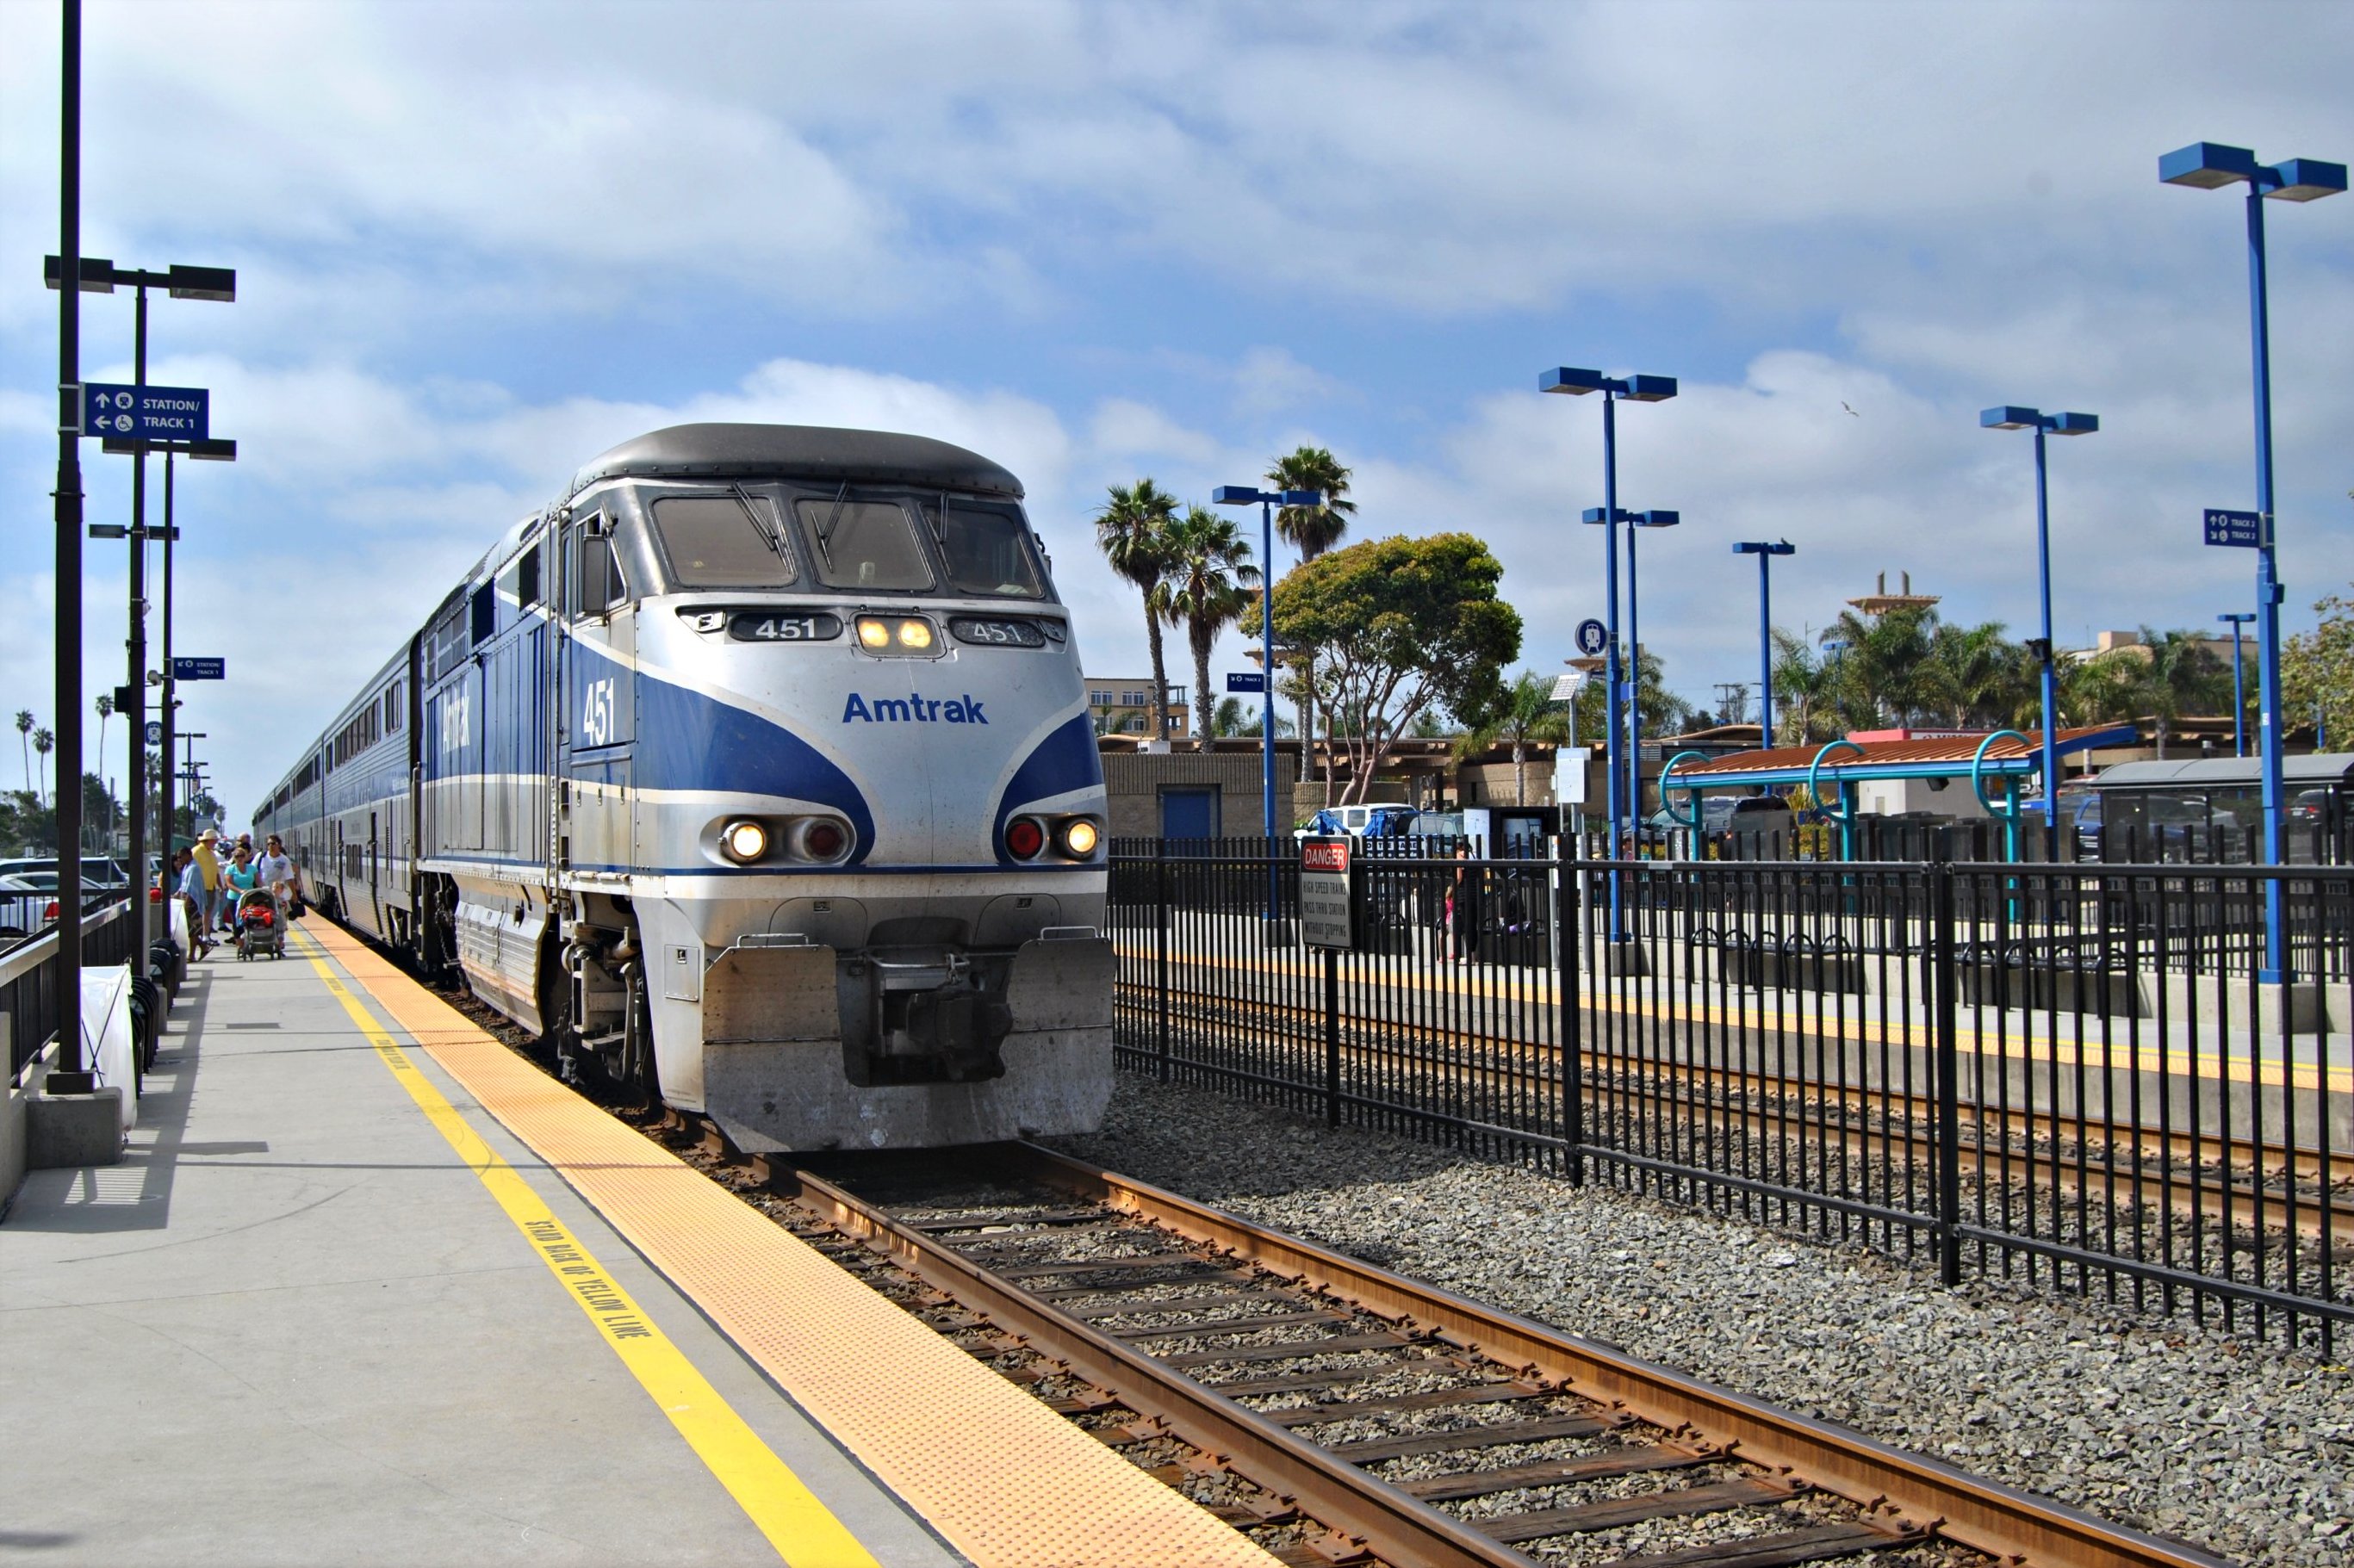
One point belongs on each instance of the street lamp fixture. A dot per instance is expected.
(1633, 704)
(1575, 383)
(2208, 166)
(2009, 417)
(1765, 551)
(97, 275)
(2239, 620)
(1268, 501)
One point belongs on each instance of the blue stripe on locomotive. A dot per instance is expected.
(1066, 760)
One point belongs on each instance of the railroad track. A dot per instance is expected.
(1347, 1417)
(1343, 1416)
(2204, 1174)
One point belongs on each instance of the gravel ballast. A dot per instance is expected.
(2191, 1433)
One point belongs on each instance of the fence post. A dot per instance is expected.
(1332, 1038)
(1162, 916)
(1567, 997)
(1948, 1074)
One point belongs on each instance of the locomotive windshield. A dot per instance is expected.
(722, 541)
(986, 547)
(864, 544)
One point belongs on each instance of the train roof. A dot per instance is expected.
(816, 451)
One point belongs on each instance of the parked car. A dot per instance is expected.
(25, 909)
(98, 872)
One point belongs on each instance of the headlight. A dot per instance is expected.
(1025, 838)
(744, 841)
(897, 634)
(1079, 838)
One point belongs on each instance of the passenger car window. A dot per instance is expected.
(722, 541)
(987, 549)
(864, 544)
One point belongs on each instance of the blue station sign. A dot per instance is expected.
(1247, 681)
(145, 413)
(2245, 530)
(155, 732)
(199, 669)
(1593, 636)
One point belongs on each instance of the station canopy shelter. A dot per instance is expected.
(1995, 763)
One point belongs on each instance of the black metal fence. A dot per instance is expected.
(29, 979)
(2084, 1076)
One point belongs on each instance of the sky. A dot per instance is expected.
(478, 244)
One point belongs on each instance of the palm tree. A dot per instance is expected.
(43, 741)
(25, 729)
(1973, 676)
(105, 707)
(2182, 675)
(1132, 530)
(1313, 530)
(1526, 713)
(1207, 588)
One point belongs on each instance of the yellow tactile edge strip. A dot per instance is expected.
(1003, 1478)
(802, 1530)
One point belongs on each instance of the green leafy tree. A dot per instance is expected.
(1133, 531)
(1664, 712)
(2318, 673)
(1522, 713)
(1313, 530)
(1208, 587)
(1974, 677)
(2182, 676)
(1807, 700)
(1399, 627)
(1879, 679)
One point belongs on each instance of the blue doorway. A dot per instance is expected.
(1189, 812)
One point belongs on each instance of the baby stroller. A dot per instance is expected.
(260, 925)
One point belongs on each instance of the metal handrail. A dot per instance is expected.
(34, 951)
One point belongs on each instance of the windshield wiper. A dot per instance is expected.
(825, 534)
(774, 538)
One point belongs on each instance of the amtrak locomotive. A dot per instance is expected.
(755, 773)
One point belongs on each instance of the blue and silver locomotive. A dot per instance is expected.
(755, 772)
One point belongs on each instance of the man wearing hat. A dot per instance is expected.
(207, 857)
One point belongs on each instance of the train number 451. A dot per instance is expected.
(598, 719)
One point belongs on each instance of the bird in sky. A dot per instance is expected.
(1843, 402)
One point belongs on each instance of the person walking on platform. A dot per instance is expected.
(208, 866)
(277, 872)
(1463, 911)
(192, 895)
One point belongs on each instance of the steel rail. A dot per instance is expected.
(1395, 1527)
(1923, 1492)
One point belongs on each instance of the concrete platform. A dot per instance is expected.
(294, 1327)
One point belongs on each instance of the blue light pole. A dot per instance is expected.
(2013, 418)
(1765, 553)
(1634, 705)
(1267, 500)
(2205, 165)
(1635, 389)
(2239, 620)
